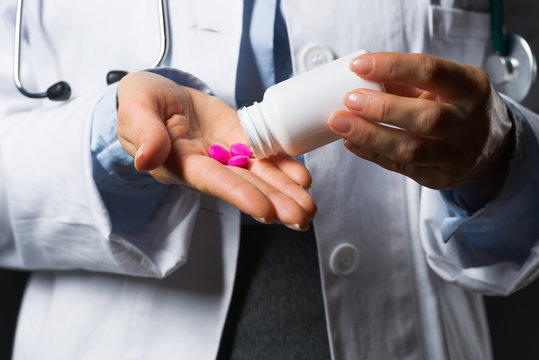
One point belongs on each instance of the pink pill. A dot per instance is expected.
(219, 153)
(239, 160)
(240, 149)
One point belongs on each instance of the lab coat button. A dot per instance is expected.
(343, 259)
(315, 56)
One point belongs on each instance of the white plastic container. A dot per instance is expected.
(293, 115)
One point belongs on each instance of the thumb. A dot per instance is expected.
(144, 136)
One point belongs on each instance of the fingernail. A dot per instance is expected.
(362, 65)
(262, 220)
(355, 101)
(139, 153)
(340, 124)
(297, 227)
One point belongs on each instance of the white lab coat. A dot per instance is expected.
(162, 291)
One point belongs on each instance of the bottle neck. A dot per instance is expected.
(254, 124)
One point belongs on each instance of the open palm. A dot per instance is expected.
(168, 130)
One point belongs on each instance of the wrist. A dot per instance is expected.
(476, 195)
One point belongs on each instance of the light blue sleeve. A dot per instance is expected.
(506, 227)
(130, 196)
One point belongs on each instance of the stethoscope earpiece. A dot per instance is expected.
(115, 76)
(59, 91)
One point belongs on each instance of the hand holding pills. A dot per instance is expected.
(239, 154)
(170, 129)
(450, 129)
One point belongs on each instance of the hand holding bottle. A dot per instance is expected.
(450, 129)
(168, 129)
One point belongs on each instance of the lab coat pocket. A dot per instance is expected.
(459, 35)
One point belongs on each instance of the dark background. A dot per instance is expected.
(513, 320)
(522, 18)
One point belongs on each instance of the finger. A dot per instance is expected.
(402, 90)
(295, 170)
(396, 144)
(274, 176)
(409, 91)
(209, 176)
(420, 116)
(145, 102)
(430, 176)
(426, 72)
(288, 211)
(244, 190)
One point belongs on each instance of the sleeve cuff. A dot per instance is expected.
(130, 196)
(182, 78)
(506, 227)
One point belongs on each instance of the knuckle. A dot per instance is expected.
(430, 119)
(480, 82)
(481, 76)
(391, 68)
(483, 83)
(367, 138)
(397, 167)
(430, 68)
(368, 155)
(408, 152)
(384, 108)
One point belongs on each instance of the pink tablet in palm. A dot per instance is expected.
(239, 160)
(240, 149)
(219, 153)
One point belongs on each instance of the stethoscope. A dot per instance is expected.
(61, 90)
(512, 66)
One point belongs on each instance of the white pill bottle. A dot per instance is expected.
(293, 115)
